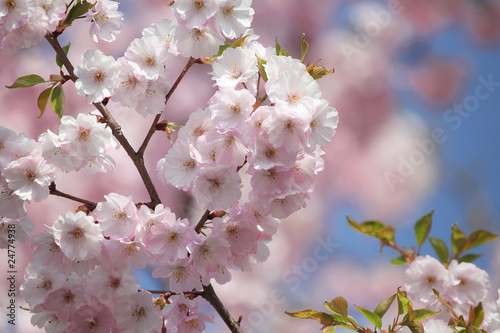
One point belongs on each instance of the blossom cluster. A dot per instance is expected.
(81, 280)
(266, 120)
(462, 285)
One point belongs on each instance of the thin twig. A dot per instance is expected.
(59, 51)
(152, 129)
(202, 221)
(210, 295)
(136, 158)
(56, 192)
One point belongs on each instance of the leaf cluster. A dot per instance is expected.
(460, 243)
(339, 317)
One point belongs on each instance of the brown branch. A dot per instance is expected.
(202, 221)
(59, 51)
(56, 192)
(210, 295)
(152, 129)
(135, 157)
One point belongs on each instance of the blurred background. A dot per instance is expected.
(417, 87)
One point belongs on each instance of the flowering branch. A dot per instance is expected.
(152, 129)
(56, 192)
(210, 295)
(52, 39)
(135, 157)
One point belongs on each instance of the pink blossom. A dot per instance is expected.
(29, 177)
(117, 216)
(78, 236)
(106, 20)
(423, 274)
(217, 188)
(136, 313)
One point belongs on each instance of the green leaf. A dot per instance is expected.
(402, 302)
(477, 238)
(317, 72)
(415, 326)
(280, 51)
(423, 227)
(469, 257)
(57, 100)
(328, 329)
(401, 260)
(262, 69)
(374, 229)
(386, 233)
(458, 239)
(421, 314)
(383, 306)
(240, 41)
(304, 48)
(321, 317)
(43, 98)
(27, 81)
(338, 305)
(374, 318)
(80, 8)
(441, 249)
(65, 49)
(478, 315)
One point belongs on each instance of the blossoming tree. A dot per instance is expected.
(266, 119)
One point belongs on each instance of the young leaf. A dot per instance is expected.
(262, 70)
(415, 326)
(401, 260)
(65, 49)
(317, 72)
(240, 41)
(478, 315)
(27, 81)
(386, 233)
(402, 302)
(469, 257)
(338, 304)
(383, 306)
(375, 319)
(280, 51)
(477, 238)
(43, 98)
(422, 228)
(304, 48)
(458, 240)
(421, 314)
(80, 8)
(321, 317)
(57, 100)
(441, 249)
(328, 329)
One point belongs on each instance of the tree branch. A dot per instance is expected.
(115, 128)
(210, 295)
(202, 221)
(56, 192)
(59, 51)
(152, 129)
(135, 157)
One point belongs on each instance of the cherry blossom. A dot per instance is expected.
(97, 74)
(106, 20)
(78, 236)
(234, 17)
